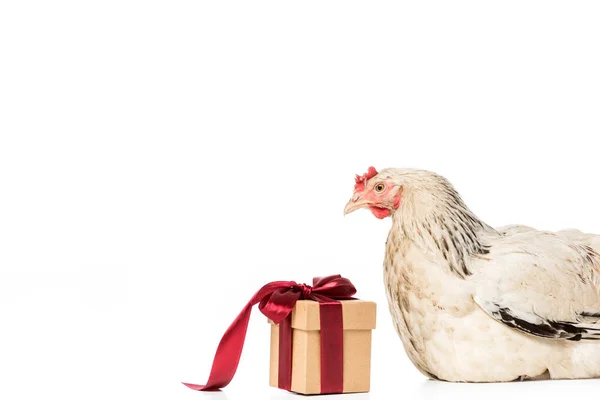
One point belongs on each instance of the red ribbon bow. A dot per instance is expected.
(277, 299)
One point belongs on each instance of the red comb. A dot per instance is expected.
(360, 180)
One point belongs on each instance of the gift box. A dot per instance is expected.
(358, 319)
(320, 338)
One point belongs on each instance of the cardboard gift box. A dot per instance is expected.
(358, 318)
(320, 338)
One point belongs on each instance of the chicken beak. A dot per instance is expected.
(354, 204)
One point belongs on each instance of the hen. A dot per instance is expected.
(477, 304)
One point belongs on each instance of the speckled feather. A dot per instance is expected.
(478, 304)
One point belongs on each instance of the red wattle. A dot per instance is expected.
(380, 212)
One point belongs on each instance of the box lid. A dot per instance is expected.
(356, 314)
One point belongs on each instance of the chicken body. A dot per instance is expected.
(477, 304)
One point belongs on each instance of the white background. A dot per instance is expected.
(160, 161)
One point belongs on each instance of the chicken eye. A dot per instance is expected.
(380, 187)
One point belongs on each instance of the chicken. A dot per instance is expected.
(476, 304)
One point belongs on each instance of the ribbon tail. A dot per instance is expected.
(193, 386)
(229, 351)
(228, 354)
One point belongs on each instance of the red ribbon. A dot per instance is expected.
(277, 299)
